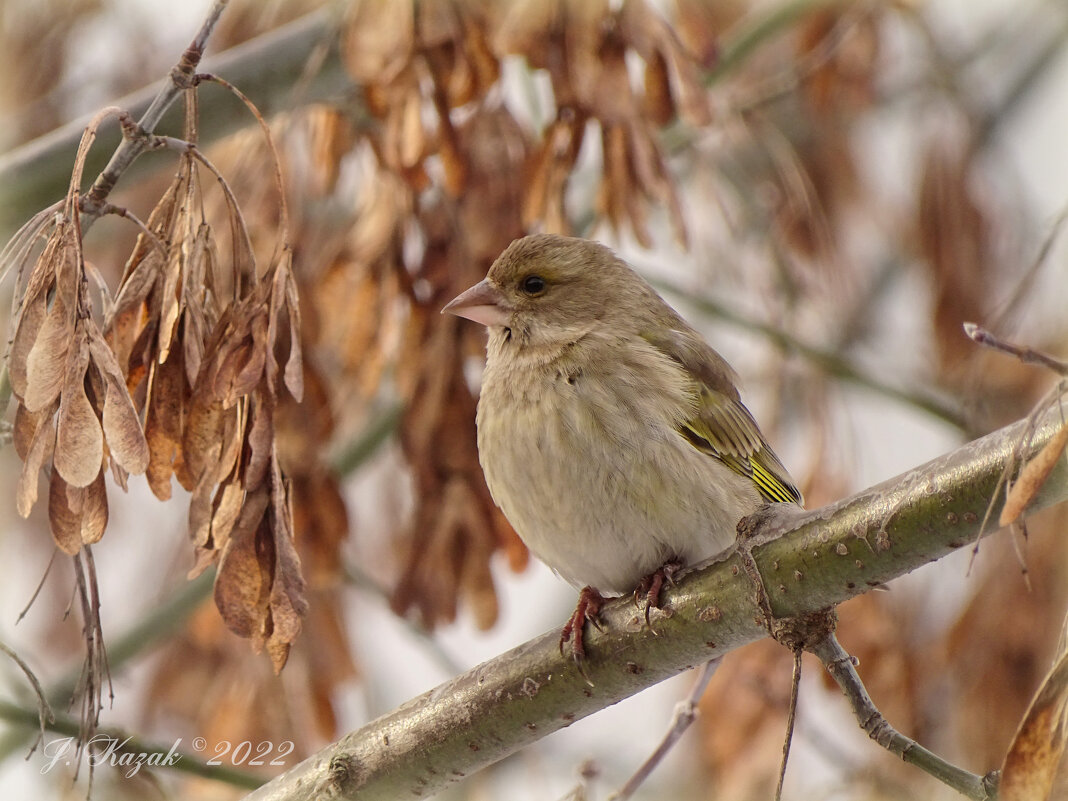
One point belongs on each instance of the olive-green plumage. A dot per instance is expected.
(611, 435)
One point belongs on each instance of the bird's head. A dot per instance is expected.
(549, 290)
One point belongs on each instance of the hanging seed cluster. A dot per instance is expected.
(179, 382)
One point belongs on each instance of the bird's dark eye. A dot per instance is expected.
(532, 285)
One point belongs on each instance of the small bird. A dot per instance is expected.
(611, 435)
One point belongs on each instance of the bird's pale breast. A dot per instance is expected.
(582, 455)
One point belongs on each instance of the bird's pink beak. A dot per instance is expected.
(482, 303)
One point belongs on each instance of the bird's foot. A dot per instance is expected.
(650, 586)
(588, 608)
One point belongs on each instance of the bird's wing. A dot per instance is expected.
(724, 428)
(721, 426)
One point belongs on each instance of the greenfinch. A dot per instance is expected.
(611, 435)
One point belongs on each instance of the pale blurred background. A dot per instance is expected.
(864, 178)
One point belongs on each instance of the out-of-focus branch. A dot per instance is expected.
(267, 68)
(125, 743)
(802, 562)
(382, 425)
(1044, 56)
(830, 361)
(161, 622)
(759, 29)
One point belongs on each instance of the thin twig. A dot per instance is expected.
(1025, 354)
(133, 146)
(1026, 439)
(791, 720)
(91, 685)
(45, 715)
(276, 161)
(40, 585)
(157, 625)
(126, 214)
(1027, 281)
(272, 69)
(842, 668)
(684, 716)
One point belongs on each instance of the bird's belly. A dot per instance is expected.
(603, 508)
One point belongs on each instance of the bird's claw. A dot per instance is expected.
(588, 608)
(650, 586)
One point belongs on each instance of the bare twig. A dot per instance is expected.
(842, 668)
(1026, 282)
(126, 214)
(45, 715)
(133, 146)
(1025, 354)
(791, 720)
(684, 716)
(40, 586)
(94, 668)
(276, 161)
(272, 69)
(157, 625)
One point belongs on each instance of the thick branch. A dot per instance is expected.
(806, 562)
